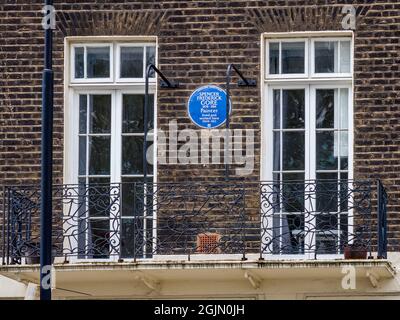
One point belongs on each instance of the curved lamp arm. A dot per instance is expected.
(165, 83)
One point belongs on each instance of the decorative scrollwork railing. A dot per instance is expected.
(147, 220)
(316, 217)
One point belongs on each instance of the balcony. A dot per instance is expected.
(198, 221)
(198, 233)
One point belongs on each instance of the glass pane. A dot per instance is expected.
(326, 53)
(151, 58)
(327, 192)
(132, 153)
(277, 109)
(100, 114)
(293, 192)
(99, 238)
(277, 151)
(325, 108)
(82, 155)
(99, 155)
(293, 106)
(79, 63)
(98, 62)
(131, 62)
(132, 114)
(344, 150)
(293, 151)
(132, 196)
(99, 197)
(292, 234)
(276, 198)
(344, 105)
(82, 113)
(293, 54)
(327, 233)
(128, 244)
(274, 58)
(345, 57)
(345, 194)
(326, 157)
(344, 231)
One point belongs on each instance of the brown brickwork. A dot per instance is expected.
(197, 39)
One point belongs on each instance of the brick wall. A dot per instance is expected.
(197, 39)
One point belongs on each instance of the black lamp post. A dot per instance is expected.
(46, 167)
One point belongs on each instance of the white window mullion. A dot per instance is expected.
(115, 211)
(310, 223)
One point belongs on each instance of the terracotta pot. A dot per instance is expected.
(355, 252)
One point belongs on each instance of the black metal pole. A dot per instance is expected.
(227, 122)
(46, 168)
(243, 83)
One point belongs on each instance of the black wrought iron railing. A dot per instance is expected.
(231, 219)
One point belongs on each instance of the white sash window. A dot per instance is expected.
(307, 136)
(104, 134)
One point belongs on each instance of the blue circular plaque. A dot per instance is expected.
(207, 107)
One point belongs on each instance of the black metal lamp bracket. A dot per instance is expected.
(243, 82)
(164, 83)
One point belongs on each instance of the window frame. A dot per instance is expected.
(313, 83)
(85, 79)
(144, 45)
(313, 74)
(286, 75)
(72, 88)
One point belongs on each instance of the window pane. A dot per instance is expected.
(327, 192)
(345, 57)
(100, 114)
(326, 233)
(99, 155)
(79, 62)
(277, 151)
(345, 195)
(131, 196)
(293, 151)
(326, 56)
(99, 197)
(274, 58)
(98, 62)
(82, 155)
(326, 158)
(99, 238)
(293, 188)
(344, 104)
(292, 234)
(132, 153)
(131, 62)
(344, 150)
(293, 54)
(277, 109)
(82, 113)
(128, 245)
(151, 58)
(293, 106)
(132, 114)
(325, 108)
